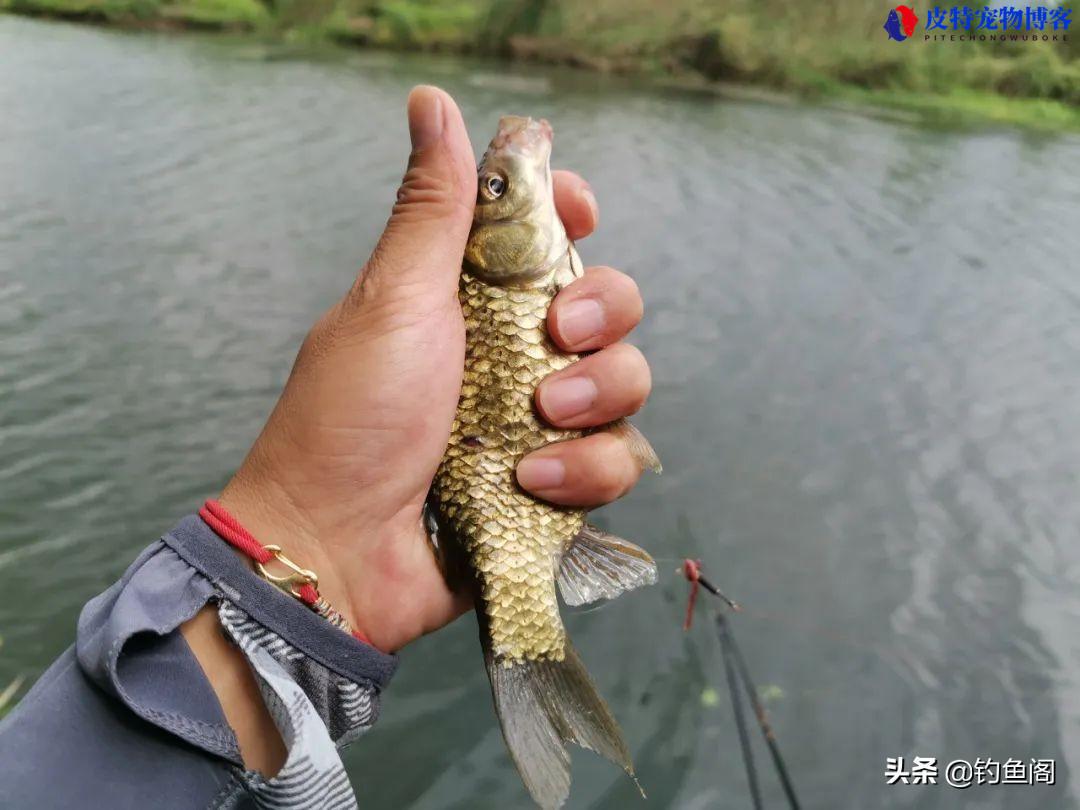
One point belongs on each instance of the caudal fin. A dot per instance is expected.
(542, 705)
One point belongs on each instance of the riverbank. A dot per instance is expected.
(838, 54)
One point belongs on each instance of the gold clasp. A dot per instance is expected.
(293, 581)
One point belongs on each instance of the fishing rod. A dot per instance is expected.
(740, 721)
(737, 672)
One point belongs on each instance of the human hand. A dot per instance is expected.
(339, 474)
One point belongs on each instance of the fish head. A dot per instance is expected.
(515, 176)
(516, 230)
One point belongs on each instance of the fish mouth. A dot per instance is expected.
(523, 135)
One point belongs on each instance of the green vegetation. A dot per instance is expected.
(201, 14)
(834, 49)
(214, 13)
(7, 694)
(962, 108)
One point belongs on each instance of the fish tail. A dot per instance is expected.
(542, 705)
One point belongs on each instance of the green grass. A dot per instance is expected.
(217, 13)
(408, 22)
(967, 108)
(213, 14)
(115, 11)
(7, 694)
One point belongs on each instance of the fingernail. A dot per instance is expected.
(580, 320)
(541, 473)
(563, 399)
(425, 116)
(590, 198)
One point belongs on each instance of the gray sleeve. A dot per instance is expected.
(126, 718)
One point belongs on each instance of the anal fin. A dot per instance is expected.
(597, 565)
(637, 444)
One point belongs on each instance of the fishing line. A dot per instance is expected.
(759, 710)
(736, 671)
(737, 707)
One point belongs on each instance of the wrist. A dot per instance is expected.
(267, 513)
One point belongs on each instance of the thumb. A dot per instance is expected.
(420, 250)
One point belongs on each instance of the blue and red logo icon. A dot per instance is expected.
(901, 22)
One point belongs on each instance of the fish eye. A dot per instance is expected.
(495, 186)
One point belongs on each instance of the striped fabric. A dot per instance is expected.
(315, 710)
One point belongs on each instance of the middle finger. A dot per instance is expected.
(595, 310)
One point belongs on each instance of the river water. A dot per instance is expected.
(864, 338)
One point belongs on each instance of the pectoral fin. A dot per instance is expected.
(598, 565)
(637, 444)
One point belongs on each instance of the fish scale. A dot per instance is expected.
(512, 539)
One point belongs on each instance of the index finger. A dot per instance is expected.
(575, 203)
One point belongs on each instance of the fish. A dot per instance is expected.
(515, 550)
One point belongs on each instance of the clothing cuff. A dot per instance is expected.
(279, 613)
(167, 585)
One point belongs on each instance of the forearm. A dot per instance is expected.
(230, 676)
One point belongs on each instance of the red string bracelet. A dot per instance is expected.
(298, 582)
